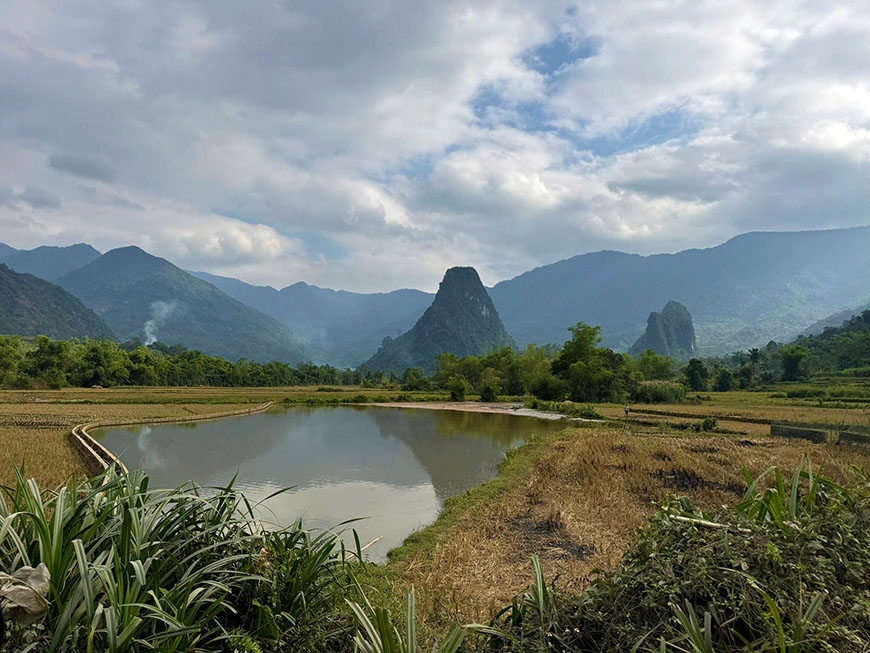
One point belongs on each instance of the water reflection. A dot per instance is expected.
(393, 466)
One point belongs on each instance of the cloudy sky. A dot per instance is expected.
(370, 145)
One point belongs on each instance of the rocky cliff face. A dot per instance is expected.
(462, 320)
(669, 333)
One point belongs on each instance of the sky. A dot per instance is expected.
(371, 145)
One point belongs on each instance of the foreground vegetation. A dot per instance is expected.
(134, 568)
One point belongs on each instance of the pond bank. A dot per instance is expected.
(506, 408)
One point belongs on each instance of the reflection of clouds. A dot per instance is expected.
(392, 467)
(383, 510)
(150, 456)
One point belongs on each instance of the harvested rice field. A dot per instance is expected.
(575, 499)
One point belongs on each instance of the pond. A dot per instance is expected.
(394, 467)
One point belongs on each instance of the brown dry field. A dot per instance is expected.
(34, 424)
(577, 505)
(767, 412)
(35, 436)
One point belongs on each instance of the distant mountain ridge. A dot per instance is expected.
(462, 320)
(30, 306)
(346, 327)
(669, 333)
(754, 288)
(143, 296)
(836, 320)
(49, 262)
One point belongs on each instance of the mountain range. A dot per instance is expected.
(48, 262)
(30, 306)
(147, 297)
(345, 327)
(754, 288)
(461, 320)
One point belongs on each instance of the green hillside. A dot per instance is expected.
(462, 321)
(146, 297)
(30, 306)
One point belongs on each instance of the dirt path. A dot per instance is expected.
(514, 408)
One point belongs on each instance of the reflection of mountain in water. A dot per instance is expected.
(458, 449)
(306, 447)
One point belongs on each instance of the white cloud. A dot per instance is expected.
(347, 144)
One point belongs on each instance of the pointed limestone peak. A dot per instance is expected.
(668, 333)
(462, 321)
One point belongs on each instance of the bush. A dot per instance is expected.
(549, 388)
(457, 386)
(655, 392)
(709, 423)
(489, 392)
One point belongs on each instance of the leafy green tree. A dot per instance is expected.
(580, 347)
(490, 385)
(457, 386)
(696, 374)
(724, 380)
(654, 367)
(414, 378)
(793, 358)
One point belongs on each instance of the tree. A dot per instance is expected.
(696, 374)
(458, 386)
(414, 378)
(490, 385)
(724, 380)
(793, 359)
(579, 348)
(654, 367)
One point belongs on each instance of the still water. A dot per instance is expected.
(392, 466)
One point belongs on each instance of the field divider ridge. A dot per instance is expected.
(97, 459)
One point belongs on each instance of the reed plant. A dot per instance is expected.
(135, 568)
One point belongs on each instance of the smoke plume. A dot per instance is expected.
(160, 311)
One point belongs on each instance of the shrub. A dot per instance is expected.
(654, 392)
(709, 423)
(457, 386)
(549, 388)
(133, 568)
(488, 392)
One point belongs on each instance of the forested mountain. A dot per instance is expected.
(462, 320)
(835, 320)
(754, 288)
(30, 306)
(48, 262)
(846, 347)
(146, 297)
(347, 327)
(669, 333)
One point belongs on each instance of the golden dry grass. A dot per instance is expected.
(35, 435)
(767, 412)
(578, 506)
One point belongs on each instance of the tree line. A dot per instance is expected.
(46, 363)
(581, 370)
